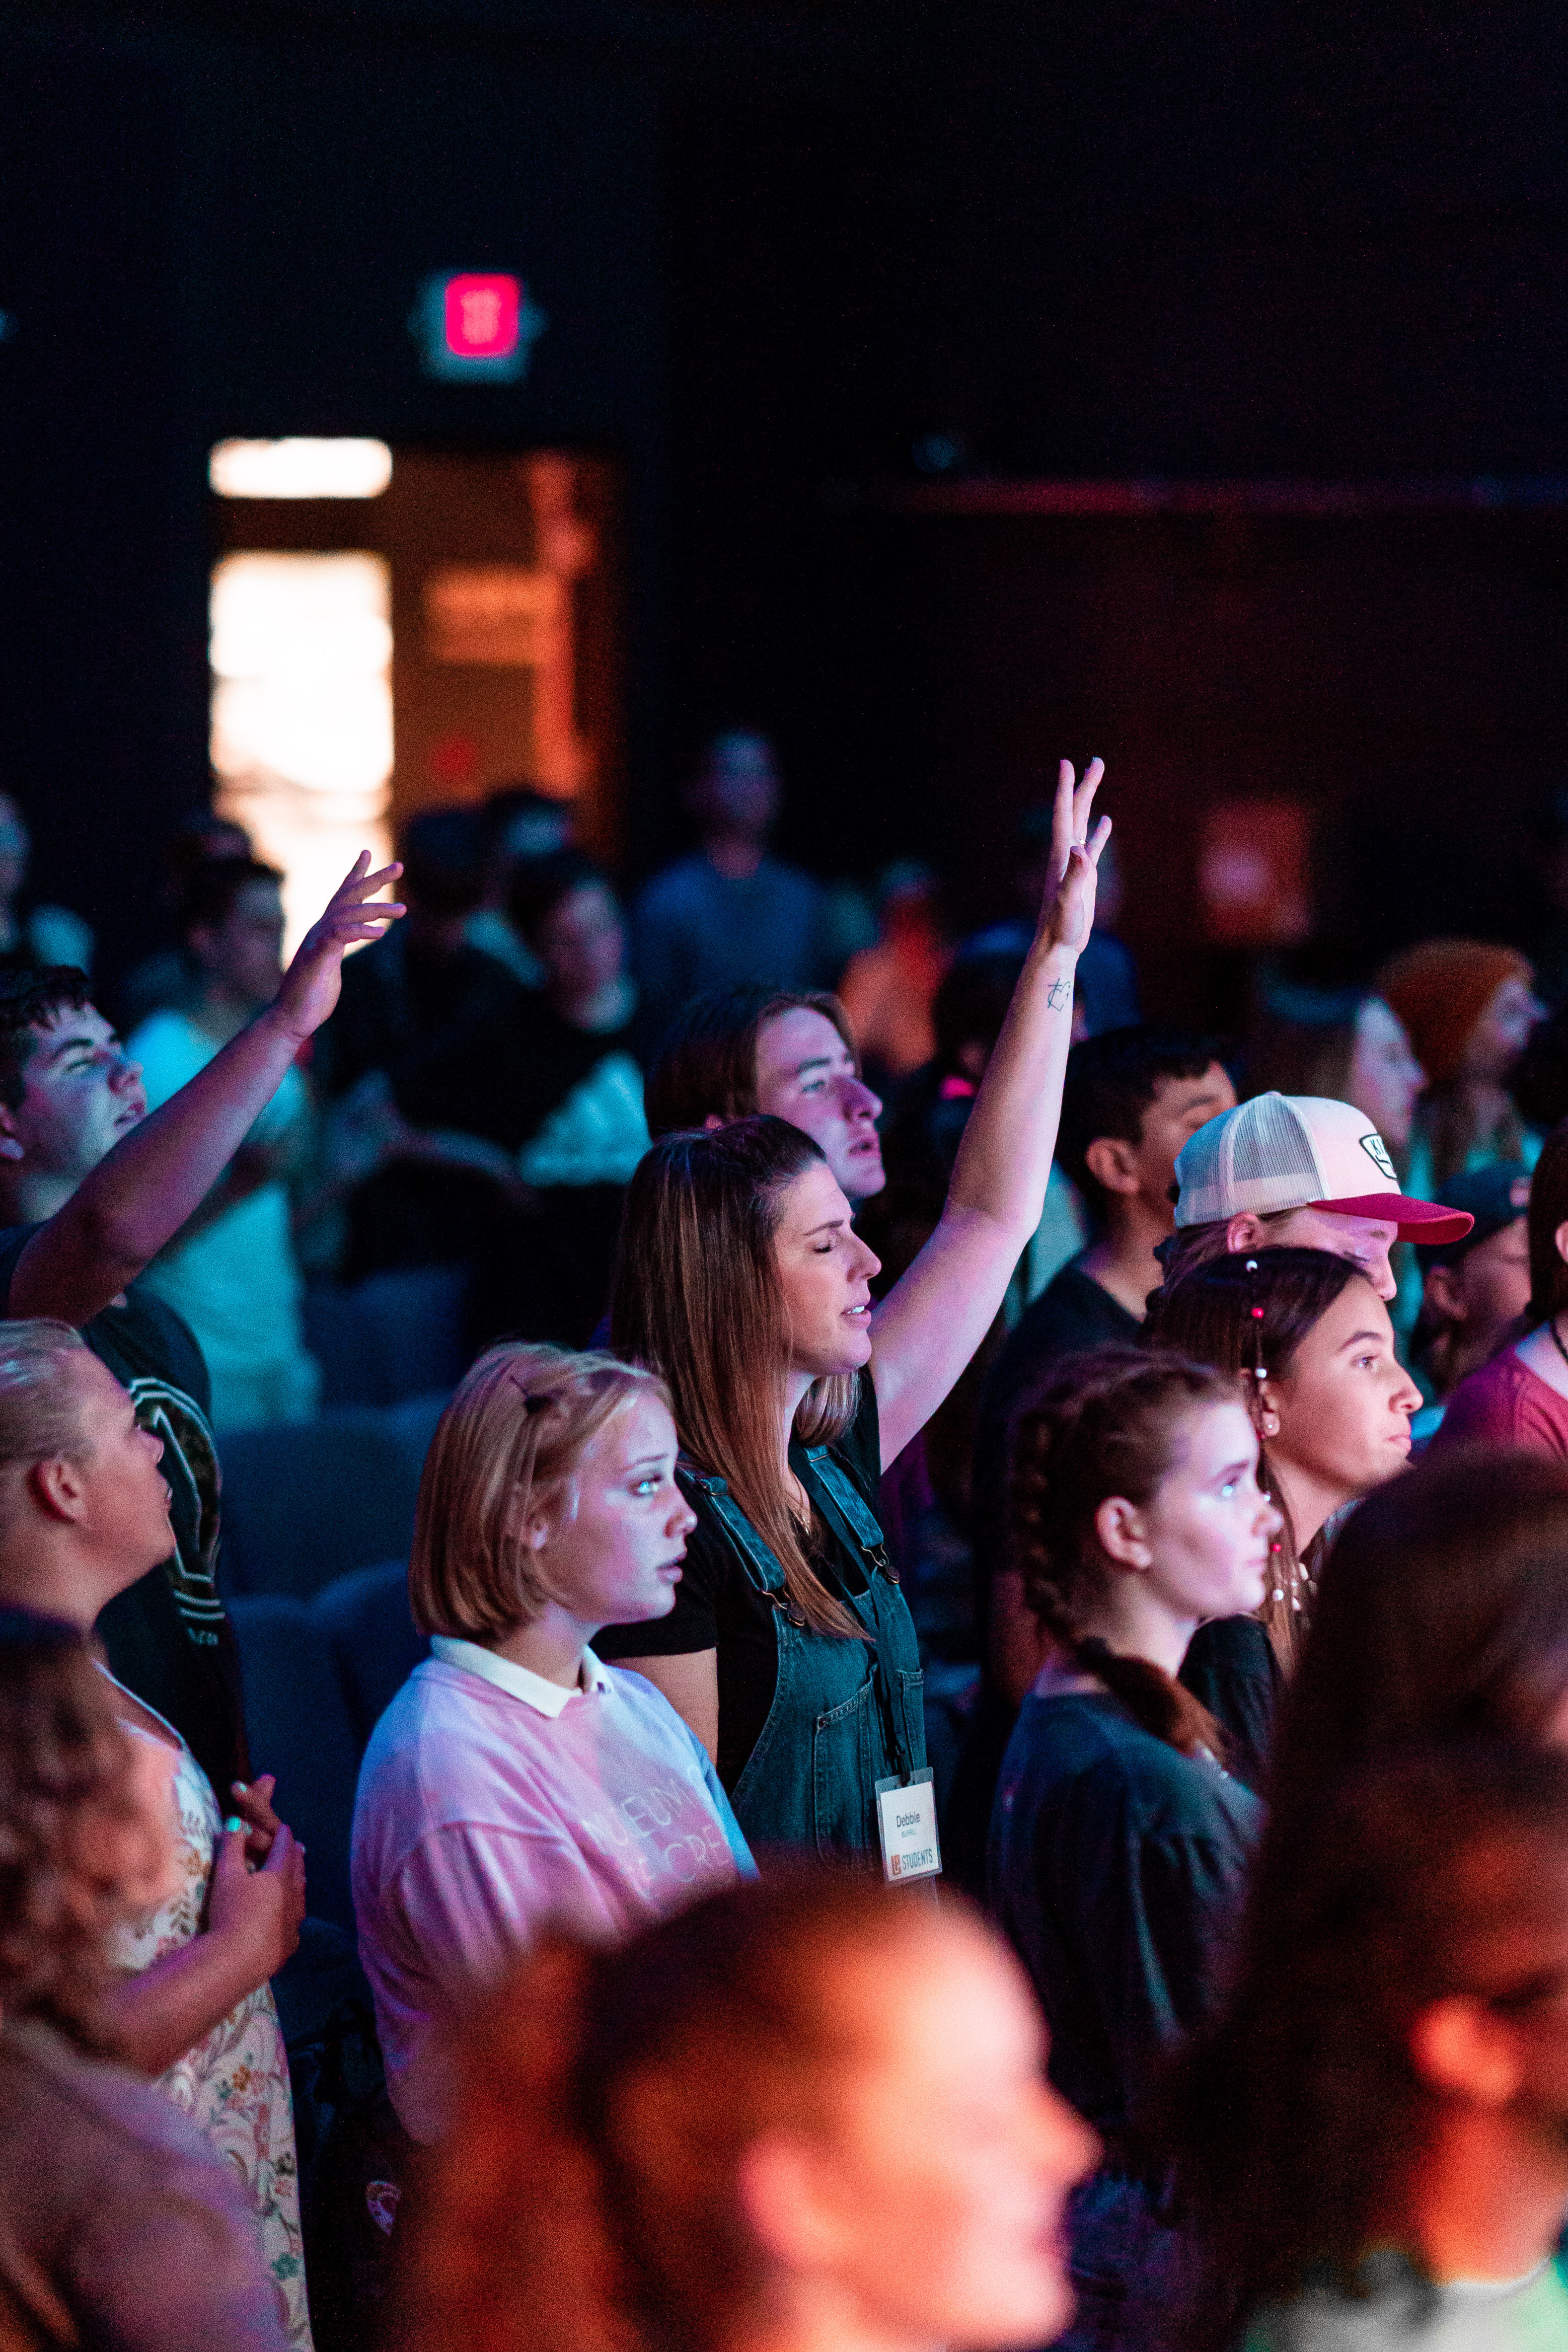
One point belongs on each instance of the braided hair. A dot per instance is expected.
(1106, 1427)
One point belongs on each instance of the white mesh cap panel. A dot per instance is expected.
(1258, 1157)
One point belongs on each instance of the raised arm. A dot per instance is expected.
(931, 1322)
(142, 1192)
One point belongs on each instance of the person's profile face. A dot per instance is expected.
(1180, 1106)
(614, 1551)
(824, 1273)
(1384, 1079)
(1364, 1240)
(80, 1095)
(806, 1074)
(1344, 1405)
(1208, 1525)
(945, 2171)
(126, 1524)
(1491, 1283)
(1502, 1031)
(582, 942)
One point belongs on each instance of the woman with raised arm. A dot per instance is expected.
(790, 1650)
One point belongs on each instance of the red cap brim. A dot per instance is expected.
(1427, 1218)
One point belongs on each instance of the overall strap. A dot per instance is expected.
(760, 1565)
(858, 1524)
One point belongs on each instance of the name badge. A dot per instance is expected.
(907, 1823)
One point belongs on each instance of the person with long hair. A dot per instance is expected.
(790, 1650)
(120, 2223)
(515, 1780)
(1372, 2141)
(1520, 1396)
(801, 2114)
(1468, 1008)
(84, 1514)
(1341, 1045)
(1118, 1841)
(1311, 1343)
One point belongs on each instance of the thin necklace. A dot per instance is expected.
(1557, 1337)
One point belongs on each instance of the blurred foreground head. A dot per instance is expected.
(805, 2110)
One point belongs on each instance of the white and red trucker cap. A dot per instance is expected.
(1300, 1151)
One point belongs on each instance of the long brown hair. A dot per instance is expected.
(706, 1066)
(504, 1451)
(586, 2198)
(1248, 1312)
(63, 1759)
(1548, 1210)
(1297, 2120)
(697, 1297)
(1106, 1426)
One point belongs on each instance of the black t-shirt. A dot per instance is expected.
(168, 1637)
(718, 1607)
(398, 998)
(1231, 1668)
(1117, 1868)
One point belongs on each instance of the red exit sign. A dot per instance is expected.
(476, 326)
(481, 316)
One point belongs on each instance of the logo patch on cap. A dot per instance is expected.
(1377, 1151)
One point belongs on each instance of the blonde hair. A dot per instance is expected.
(40, 1413)
(504, 1452)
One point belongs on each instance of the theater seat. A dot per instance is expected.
(372, 1637)
(300, 1729)
(303, 1503)
(316, 1674)
(397, 1334)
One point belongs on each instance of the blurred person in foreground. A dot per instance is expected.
(231, 1270)
(1474, 1292)
(730, 913)
(84, 1514)
(121, 2227)
(802, 2113)
(1467, 1009)
(1374, 2139)
(92, 1186)
(1519, 1396)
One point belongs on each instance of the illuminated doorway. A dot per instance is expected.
(393, 629)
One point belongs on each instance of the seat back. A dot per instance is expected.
(373, 1639)
(300, 1729)
(303, 1503)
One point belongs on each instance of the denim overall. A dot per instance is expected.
(845, 1714)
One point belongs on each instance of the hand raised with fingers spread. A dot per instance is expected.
(1067, 908)
(311, 983)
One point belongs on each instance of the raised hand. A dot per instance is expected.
(312, 981)
(1067, 907)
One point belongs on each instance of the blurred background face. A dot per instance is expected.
(582, 942)
(244, 953)
(951, 2157)
(1385, 1079)
(1499, 1036)
(1180, 1106)
(1487, 1290)
(738, 791)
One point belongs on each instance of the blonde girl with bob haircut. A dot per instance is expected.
(790, 1650)
(515, 1779)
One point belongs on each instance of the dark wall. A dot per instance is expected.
(778, 247)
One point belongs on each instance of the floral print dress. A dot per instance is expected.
(233, 2085)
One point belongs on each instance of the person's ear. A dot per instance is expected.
(1265, 1406)
(1461, 2046)
(713, 1122)
(1561, 1238)
(789, 2206)
(1445, 1296)
(1244, 1231)
(1123, 1533)
(58, 1489)
(1113, 1163)
(11, 1146)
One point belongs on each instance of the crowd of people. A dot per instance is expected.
(989, 1765)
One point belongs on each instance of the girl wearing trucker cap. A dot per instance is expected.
(1302, 1172)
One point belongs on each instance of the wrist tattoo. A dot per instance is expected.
(1059, 994)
